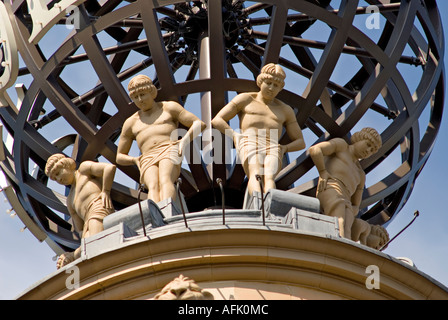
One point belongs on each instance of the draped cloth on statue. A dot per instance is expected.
(166, 150)
(95, 210)
(334, 193)
(254, 149)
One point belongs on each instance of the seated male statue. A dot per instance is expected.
(342, 180)
(88, 201)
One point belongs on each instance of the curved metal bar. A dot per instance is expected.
(178, 183)
(223, 202)
(140, 189)
(260, 181)
(416, 214)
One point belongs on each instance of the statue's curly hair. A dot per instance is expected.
(141, 83)
(368, 134)
(273, 72)
(57, 162)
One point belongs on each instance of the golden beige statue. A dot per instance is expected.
(262, 118)
(374, 236)
(152, 127)
(88, 201)
(342, 180)
(183, 288)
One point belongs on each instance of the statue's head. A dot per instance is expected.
(369, 134)
(183, 288)
(142, 83)
(58, 162)
(272, 72)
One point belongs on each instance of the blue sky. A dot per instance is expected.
(24, 260)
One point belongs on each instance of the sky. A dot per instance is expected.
(24, 260)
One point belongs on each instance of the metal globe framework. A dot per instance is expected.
(349, 64)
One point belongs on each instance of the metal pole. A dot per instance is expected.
(416, 214)
(262, 197)
(178, 183)
(140, 189)
(219, 182)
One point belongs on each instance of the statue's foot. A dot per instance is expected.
(378, 237)
(65, 259)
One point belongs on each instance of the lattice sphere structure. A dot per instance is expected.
(349, 64)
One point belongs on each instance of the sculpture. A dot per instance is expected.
(88, 201)
(374, 236)
(243, 51)
(341, 183)
(152, 127)
(262, 117)
(183, 288)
